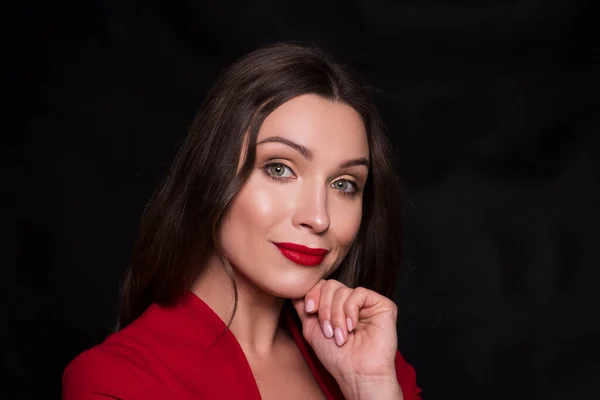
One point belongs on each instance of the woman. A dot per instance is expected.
(264, 258)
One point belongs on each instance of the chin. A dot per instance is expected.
(293, 289)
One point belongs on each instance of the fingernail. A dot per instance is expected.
(310, 306)
(339, 337)
(349, 322)
(327, 329)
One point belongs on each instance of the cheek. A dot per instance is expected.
(347, 219)
(253, 213)
(253, 205)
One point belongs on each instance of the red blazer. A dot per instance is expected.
(173, 353)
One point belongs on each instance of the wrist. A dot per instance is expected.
(372, 388)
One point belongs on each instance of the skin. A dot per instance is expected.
(304, 195)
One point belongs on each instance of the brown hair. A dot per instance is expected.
(179, 226)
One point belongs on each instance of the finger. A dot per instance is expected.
(327, 292)
(358, 299)
(312, 298)
(338, 315)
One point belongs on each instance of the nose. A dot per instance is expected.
(311, 211)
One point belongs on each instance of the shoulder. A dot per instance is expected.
(407, 378)
(101, 373)
(120, 367)
(161, 353)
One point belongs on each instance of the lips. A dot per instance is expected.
(301, 254)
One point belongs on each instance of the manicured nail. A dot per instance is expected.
(339, 337)
(349, 322)
(310, 306)
(327, 329)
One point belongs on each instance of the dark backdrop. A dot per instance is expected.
(493, 110)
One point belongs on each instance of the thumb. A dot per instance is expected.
(300, 306)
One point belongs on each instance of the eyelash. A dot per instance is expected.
(265, 170)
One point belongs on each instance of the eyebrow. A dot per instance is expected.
(355, 162)
(306, 153)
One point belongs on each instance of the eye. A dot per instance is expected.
(279, 171)
(345, 186)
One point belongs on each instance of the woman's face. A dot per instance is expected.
(305, 190)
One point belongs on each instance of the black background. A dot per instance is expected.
(493, 110)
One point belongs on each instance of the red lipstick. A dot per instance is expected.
(301, 254)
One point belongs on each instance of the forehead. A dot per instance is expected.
(328, 128)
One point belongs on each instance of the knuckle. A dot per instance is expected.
(317, 288)
(314, 291)
(336, 314)
(361, 290)
(340, 284)
(324, 312)
(329, 284)
(339, 293)
(349, 306)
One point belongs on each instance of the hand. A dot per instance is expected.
(353, 333)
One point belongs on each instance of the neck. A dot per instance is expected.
(256, 321)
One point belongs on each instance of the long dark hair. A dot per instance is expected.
(179, 226)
